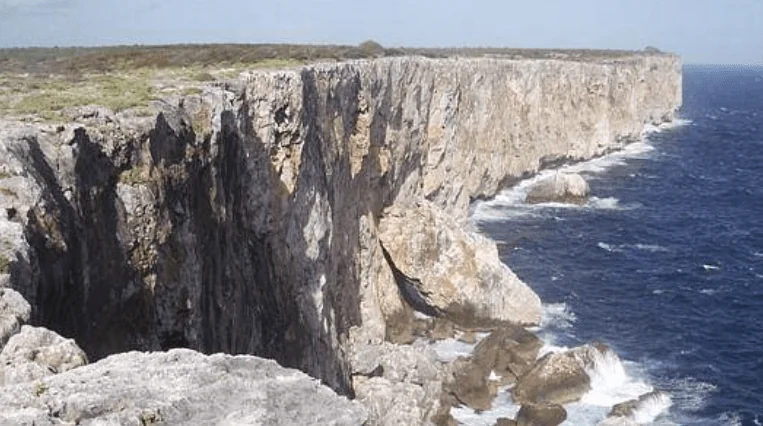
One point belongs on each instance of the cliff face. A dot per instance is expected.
(244, 220)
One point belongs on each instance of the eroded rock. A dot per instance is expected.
(508, 352)
(447, 270)
(561, 188)
(37, 352)
(557, 377)
(642, 409)
(179, 387)
(14, 311)
(541, 415)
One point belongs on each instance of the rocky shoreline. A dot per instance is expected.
(312, 216)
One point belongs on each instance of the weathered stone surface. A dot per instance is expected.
(561, 188)
(37, 352)
(508, 352)
(469, 384)
(640, 410)
(244, 219)
(503, 421)
(541, 415)
(14, 311)
(179, 387)
(452, 272)
(400, 383)
(558, 377)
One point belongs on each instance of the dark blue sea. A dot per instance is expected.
(665, 263)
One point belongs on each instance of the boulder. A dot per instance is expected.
(399, 384)
(14, 311)
(559, 377)
(503, 421)
(541, 415)
(469, 384)
(559, 188)
(36, 352)
(444, 270)
(643, 409)
(179, 387)
(508, 352)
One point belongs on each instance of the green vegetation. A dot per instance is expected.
(44, 82)
(8, 192)
(39, 388)
(5, 264)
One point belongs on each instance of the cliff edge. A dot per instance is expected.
(303, 214)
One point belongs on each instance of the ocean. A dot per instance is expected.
(664, 263)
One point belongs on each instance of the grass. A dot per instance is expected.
(44, 82)
(5, 265)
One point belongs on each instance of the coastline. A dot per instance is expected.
(250, 218)
(614, 380)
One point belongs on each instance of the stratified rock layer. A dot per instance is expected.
(246, 219)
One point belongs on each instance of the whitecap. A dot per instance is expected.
(557, 315)
(689, 394)
(708, 291)
(607, 247)
(654, 248)
(711, 267)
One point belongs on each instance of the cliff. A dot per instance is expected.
(247, 219)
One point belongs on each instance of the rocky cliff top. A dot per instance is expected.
(305, 214)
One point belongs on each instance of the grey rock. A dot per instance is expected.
(558, 377)
(508, 352)
(560, 187)
(244, 220)
(400, 384)
(452, 272)
(14, 312)
(179, 387)
(632, 409)
(541, 415)
(37, 352)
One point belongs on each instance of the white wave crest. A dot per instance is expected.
(618, 248)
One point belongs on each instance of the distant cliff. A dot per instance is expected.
(245, 219)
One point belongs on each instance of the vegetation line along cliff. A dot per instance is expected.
(303, 214)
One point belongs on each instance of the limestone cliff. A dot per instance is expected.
(244, 219)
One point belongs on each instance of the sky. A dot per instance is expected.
(701, 31)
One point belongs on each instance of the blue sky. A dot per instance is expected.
(702, 31)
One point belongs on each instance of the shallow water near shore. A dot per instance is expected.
(664, 263)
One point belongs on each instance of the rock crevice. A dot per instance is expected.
(253, 218)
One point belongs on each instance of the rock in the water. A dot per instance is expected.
(469, 384)
(179, 387)
(643, 409)
(14, 311)
(558, 378)
(561, 187)
(541, 415)
(503, 421)
(508, 352)
(445, 269)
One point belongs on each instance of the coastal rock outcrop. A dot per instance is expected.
(560, 188)
(445, 270)
(253, 217)
(559, 377)
(541, 415)
(36, 352)
(14, 312)
(638, 411)
(179, 387)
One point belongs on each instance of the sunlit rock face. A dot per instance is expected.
(247, 219)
